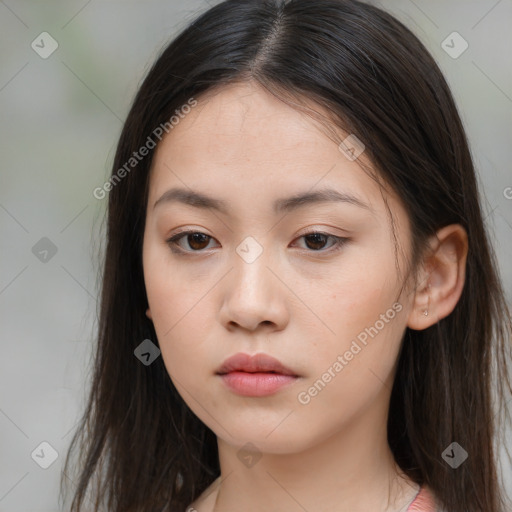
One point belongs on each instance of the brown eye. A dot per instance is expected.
(316, 241)
(196, 241)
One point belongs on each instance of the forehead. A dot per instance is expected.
(244, 145)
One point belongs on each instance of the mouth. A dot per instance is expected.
(256, 384)
(258, 363)
(259, 372)
(256, 376)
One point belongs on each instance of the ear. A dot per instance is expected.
(441, 280)
(148, 314)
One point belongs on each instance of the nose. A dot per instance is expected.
(254, 294)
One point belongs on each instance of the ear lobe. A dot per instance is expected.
(148, 314)
(443, 277)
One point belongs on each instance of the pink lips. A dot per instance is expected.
(257, 375)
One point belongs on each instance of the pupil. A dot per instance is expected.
(195, 240)
(317, 238)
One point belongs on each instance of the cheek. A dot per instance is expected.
(179, 318)
(349, 376)
(356, 299)
(173, 292)
(362, 323)
(176, 307)
(186, 355)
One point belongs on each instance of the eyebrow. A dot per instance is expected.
(282, 205)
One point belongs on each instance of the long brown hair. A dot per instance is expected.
(138, 441)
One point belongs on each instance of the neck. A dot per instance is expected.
(351, 470)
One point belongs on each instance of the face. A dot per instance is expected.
(313, 284)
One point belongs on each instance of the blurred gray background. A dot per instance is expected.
(61, 112)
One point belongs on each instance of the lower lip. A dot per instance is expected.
(256, 384)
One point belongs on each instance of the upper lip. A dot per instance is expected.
(255, 363)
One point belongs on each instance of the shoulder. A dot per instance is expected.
(424, 501)
(206, 501)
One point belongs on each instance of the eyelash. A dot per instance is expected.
(172, 242)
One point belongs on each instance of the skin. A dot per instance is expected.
(299, 301)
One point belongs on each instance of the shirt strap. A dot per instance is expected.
(424, 501)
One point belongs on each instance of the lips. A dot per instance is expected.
(258, 363)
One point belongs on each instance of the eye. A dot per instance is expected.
(317, 241)
(195, 239)
(198, 241)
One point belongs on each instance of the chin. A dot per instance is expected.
(280, 441)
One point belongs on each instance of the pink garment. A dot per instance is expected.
(424, 502)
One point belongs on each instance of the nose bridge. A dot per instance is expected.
(251, 264)
(252, 295)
